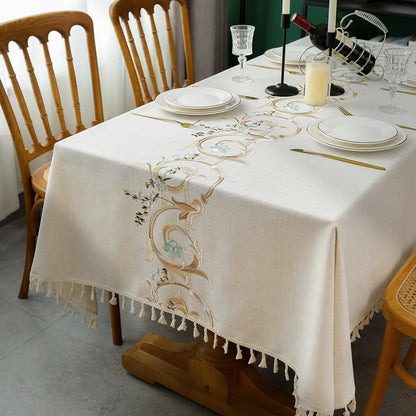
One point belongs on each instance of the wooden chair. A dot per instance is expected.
(34, 185)
(399, 309)
(147, 90)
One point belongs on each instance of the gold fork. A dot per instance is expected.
(171, 120)
(275, 67)
(344, 111)
(347, 113)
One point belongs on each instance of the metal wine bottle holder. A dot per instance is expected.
(373, 48)
(377, 71)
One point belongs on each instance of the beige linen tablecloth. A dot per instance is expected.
(284, 253)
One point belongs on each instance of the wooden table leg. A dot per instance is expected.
(208, 376)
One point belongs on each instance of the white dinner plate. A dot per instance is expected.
(235, 101)
(410, 83)
(294, 53)
(197, 98)
(273, 58)
(356, 130)
(316, 135)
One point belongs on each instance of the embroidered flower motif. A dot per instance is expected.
(161, 185)
(222, 148)
(173, 249)
(160, 276)
(291, 107)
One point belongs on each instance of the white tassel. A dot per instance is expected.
(92, 297)
(84, 317)
(113, 300)
(239, 355)
(74, 312)
(275, 366)
(162, 319)
(263, 362)
(346, 411)
(102, 296)
(225, 346)
(286, 372)
(252, 357)
(123, 302)
(131, 305)
(173, 323)
(142, 311)
(82, 291)
(94, 324)
(353, 406)
(182, 326)
(72, 288)
(153, 317)
(49, 293)
(215, 341)
(205, 334)
(66, 306)
(196, 332)
(58, 299)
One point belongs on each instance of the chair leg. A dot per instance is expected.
(115, 322)
(410, 356)
(389, 352)
(30, 252)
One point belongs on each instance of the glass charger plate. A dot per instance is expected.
(160, 100)
(198, 98)
(316, 135)
(356, 130)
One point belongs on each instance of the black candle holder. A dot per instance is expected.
(334, 90)
(282, 89)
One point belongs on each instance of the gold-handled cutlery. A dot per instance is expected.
(276, 67)
(347, 113)
(400, 91)
(247, 97)
(340, 159)
(171, 120)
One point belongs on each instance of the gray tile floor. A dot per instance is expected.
(52, 364)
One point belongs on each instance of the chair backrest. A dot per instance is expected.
(135, 47)
(12, 91)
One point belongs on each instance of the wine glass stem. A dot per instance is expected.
(393, 90)
(242, 59)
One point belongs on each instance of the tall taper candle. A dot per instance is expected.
(286, 7)
(332, 15)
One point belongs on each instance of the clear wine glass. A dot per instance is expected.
(395, 71)
(242, 37)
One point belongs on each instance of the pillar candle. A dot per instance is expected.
(286, 7)
(332, 15)
(316, 83)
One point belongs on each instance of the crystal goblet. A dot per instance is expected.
(242, 37)
(395, 71)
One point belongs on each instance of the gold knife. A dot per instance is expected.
(401, 91)
(341, 159)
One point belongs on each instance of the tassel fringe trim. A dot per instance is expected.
(300, 410)
(375, 308)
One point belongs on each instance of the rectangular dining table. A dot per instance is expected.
(221, 226)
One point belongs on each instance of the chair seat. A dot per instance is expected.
(40, 179)
(399, 303)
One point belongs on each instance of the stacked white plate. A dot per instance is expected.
(198, 101)
(295, 54)
(410, 83)
(357, 134)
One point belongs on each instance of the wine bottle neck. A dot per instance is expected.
(303, 23)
